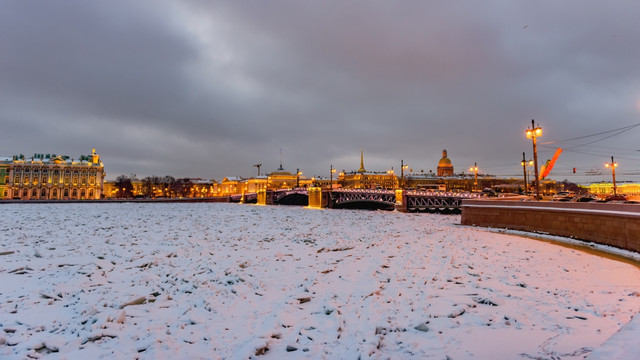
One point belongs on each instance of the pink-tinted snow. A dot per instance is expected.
(205, 281)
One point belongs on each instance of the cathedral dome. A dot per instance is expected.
(445, 168)
(445, 162)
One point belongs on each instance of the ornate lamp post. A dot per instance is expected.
(403, 167)
(298, 177)
(532, 134)
(474, 168)
(331, 179)
(613, 165)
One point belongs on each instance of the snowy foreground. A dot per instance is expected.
(169, 281)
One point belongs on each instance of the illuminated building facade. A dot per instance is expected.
(604, 189)
(51, 177)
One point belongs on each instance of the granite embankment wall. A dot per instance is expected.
(616, 225)
(143, 200)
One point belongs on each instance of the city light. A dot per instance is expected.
(524, 164)
(533, 133)
(613, 165)
(474, 169)
(332, 170)
(403, 167)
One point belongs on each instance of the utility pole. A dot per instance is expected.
(532, 134)
(613, 165)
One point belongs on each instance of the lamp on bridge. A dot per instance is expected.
(533, 133)
(403, 167)
(474, 168)
(613, 165)
(331, 177)
(298, 173)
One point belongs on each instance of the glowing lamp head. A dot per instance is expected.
(531, 133)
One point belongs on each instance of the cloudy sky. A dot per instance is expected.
(209, 88)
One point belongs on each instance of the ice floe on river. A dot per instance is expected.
(208, 281)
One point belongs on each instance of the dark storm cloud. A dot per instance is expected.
(207, 89)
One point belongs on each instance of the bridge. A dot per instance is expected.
(375, 199)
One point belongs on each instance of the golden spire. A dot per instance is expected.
(362, 169)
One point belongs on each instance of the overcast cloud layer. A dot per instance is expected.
(209, 88)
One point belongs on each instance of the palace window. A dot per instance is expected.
(66, 193)
(34, 193)
(82, 193)
(74, 193)
(6, 193)
(91, 193)
(55, 193)
(25, 193)
(43, 193)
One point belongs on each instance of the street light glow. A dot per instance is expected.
(533, 133)
(613, 165)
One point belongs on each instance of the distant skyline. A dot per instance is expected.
(209, 88)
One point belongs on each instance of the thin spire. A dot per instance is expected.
(280, 168)
(362, 169)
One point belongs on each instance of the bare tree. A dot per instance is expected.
(124, 187)
(166, 185)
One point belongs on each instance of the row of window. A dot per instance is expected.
(54, 193)
(45, 171)
(36, 179)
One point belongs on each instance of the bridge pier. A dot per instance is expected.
(401, 201)
(315, 198)
(265, 197)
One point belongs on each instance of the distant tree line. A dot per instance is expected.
(154, 186)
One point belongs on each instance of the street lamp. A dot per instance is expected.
(403, 167)
(613, 165)
(331, 181)
(533, 133)
(298, 177)
(524, 164)
(474, 168)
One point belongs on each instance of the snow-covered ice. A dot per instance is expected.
(230, 281)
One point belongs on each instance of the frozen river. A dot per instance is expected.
(200, 280)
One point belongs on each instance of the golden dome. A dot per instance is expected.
(444, 162)
(445, 168)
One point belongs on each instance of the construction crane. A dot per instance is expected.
(258, 166)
